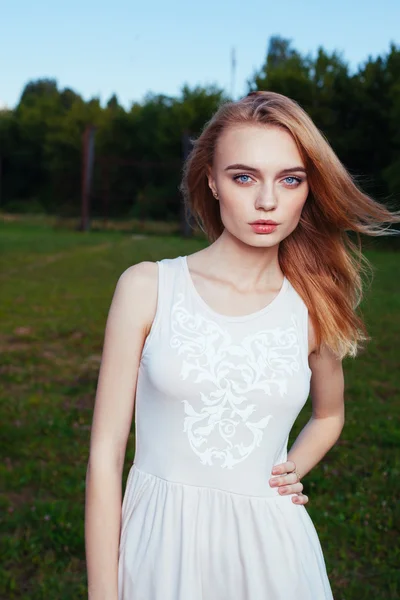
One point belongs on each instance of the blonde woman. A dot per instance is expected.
(217, 353)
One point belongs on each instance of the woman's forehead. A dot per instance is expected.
(258, 146)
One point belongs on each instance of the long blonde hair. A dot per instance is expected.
(319, 258)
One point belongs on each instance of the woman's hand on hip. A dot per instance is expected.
(287, 480)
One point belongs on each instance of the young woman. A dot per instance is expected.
(218, 352)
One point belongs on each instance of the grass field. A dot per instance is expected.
(56, 287)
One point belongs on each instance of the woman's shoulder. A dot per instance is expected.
(141, 276)
(138, 286)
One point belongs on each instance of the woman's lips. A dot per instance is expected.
(263, 227)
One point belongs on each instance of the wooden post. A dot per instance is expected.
(105, 188)
(1, 173)
(87, 171)
(186, 216)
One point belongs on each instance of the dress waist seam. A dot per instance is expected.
(205, 488)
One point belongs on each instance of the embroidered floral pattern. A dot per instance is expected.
(225, 425)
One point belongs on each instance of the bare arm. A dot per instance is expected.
(328, 414)
(129, 320)
(324, 427)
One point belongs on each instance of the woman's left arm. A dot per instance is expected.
(322, 430)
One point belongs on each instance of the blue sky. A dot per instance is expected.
(130, 48)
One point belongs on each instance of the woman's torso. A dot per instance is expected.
(217, 395)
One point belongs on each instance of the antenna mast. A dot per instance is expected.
(233, 71)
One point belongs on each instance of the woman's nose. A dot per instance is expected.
(266, 197)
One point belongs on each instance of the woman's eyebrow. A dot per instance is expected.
(237, 166)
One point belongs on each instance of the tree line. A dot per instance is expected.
(139, 152)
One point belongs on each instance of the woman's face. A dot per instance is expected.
(258, 173)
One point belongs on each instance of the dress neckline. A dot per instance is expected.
(257, 313)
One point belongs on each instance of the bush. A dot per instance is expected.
(31, 206)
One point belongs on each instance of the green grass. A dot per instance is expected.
(56, 287)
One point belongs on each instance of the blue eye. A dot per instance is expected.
(296, 180)
(238, 176)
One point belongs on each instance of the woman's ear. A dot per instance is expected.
(211, 182)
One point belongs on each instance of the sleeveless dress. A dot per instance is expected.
(216, 398)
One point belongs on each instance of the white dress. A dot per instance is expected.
(216, 399)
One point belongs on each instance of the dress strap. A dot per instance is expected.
(300, 314)
(161, 276)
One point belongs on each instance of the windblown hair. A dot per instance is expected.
(319, 258)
